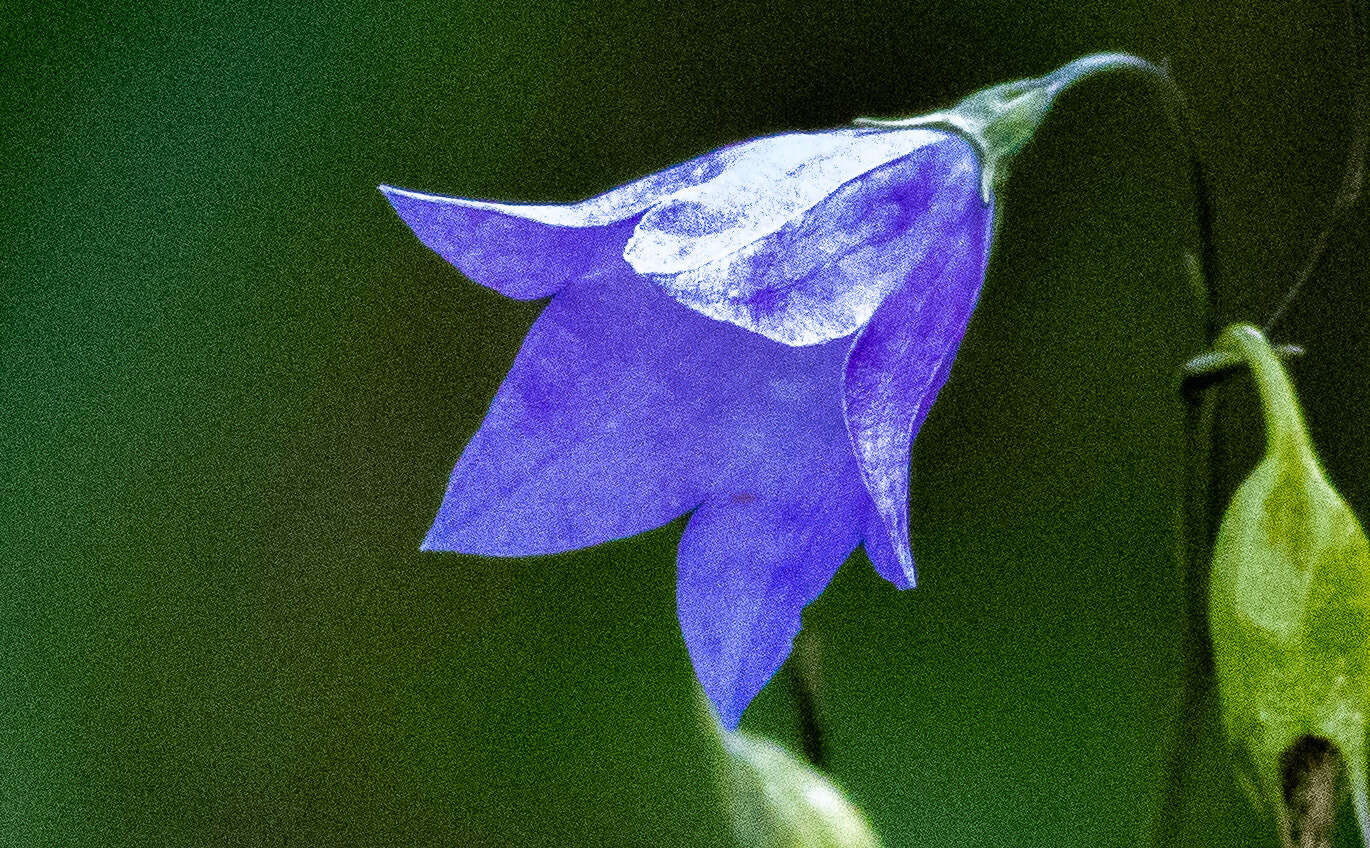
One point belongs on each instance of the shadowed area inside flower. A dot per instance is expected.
(752, 337)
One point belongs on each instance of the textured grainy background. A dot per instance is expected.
(232, 386)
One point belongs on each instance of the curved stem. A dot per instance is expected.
(1204, 274)
(1285, 431)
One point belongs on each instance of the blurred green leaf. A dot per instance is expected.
(776, 801)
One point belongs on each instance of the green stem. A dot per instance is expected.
(1285, 432)
(803, 671)
(1216, 365)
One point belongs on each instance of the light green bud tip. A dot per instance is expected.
(1000, 119)
(775, 801)
(1289, 607)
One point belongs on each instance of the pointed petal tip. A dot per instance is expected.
(729, 717)
(890, 555)
(728, 699)
(729, 702)
(430, 543)
(407, 204)
(721, 719)
(904, 577)
(404, 200)
(746, 570)
(908, 566)
(452, 538)
(392, 193)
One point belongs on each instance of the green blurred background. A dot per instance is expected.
(233, 386)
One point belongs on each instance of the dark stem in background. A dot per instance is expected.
(1195, 528)
(1203, 218)
(1353, 176)
(803, 672)
(1202, 268)
(1197, 515)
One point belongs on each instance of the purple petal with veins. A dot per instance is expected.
(755, 336)
(901, 359)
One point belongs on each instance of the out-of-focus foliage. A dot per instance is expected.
(776, 801)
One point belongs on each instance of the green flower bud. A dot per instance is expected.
(778, 802)
(1289, 607)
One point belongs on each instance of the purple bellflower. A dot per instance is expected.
(752, 337)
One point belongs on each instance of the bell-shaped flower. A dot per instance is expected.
(752, 337)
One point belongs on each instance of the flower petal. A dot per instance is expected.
(624, 410)
(528, 250)
(761, 190)
(876, 543)
(802, 241)
(747, 568)
(524, 252)
(900, 361)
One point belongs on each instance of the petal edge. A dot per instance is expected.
(900, 361)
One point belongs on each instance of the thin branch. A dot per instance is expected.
(1212, 367)
(1353, 175)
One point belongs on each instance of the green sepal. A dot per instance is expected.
(1000, 119)
(1289, 599)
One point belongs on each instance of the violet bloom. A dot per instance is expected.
(752, 337)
